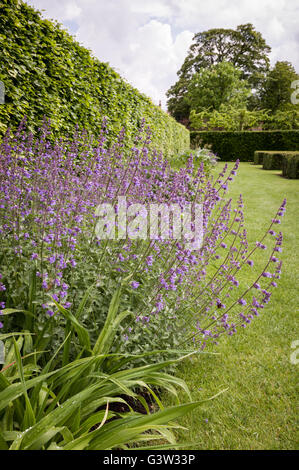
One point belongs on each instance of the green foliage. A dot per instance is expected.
(290, 166)
(229, 146)
(199, 156)
(229, 118)
(220, 84)
(47, 73)
(244, 48)
(227, 109)
(177, 103)
(67, 406)
(276, 92)
(284, 120)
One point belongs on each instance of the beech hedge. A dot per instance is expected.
(45, 72)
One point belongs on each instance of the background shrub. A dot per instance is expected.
(47, 73)
(232, 145)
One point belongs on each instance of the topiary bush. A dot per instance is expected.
(290, 166)
(258, 157)
(47, 73)
(272, 160)
(230, 146)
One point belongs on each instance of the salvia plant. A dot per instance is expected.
(51, 254)
(87, 320)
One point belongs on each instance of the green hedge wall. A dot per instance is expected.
(232, 145)
(47, 73)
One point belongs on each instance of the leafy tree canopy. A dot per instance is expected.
(244, 48)
(276, 91)
(219, 84)
(46, 72)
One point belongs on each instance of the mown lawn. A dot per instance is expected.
(259, 409)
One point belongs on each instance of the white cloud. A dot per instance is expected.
(156, 58)
(147, 41)
(157, 8)
(275, 29)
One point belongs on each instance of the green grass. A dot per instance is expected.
(258, 411)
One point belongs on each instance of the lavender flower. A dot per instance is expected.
(49, 193)
(135, 284)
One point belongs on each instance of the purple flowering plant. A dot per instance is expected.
(50, 255)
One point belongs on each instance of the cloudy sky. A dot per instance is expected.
(146, 41)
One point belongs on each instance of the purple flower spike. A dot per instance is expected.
(50, 194)
(134, 284)
(266, 274)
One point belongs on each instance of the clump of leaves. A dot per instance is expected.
(67, 407)
(200, 156)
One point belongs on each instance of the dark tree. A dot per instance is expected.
(276, 91)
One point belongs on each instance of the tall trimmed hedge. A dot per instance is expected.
(47, 73)
(232, 145)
